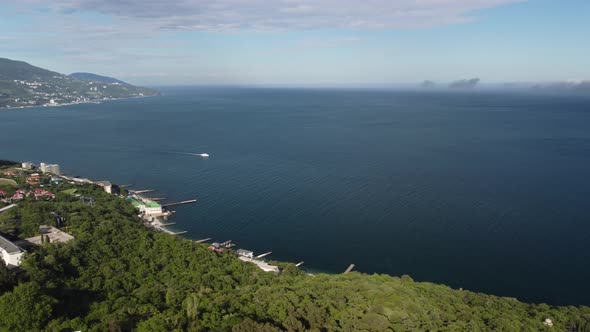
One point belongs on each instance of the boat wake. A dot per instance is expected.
(204, 155)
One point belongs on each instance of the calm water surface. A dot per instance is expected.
(485, 191)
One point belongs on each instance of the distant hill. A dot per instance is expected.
(95, 77)
(20, 70)
(22, 84)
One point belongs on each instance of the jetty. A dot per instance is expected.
(299, 264)
(156, 198)
(190, 201)
(125, 185)
(350, 267)
(203, 240)
(264, 255)
(137, 192)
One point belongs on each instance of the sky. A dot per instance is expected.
(302, 42)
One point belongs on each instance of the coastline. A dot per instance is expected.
(93, 101)
(154, 216)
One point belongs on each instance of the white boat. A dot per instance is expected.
(204, 155)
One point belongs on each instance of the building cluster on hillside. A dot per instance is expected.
(10, 173)
(20, 194)
(61, 90)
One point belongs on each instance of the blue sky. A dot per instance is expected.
(326, 42)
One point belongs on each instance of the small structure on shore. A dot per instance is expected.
(245, 253)
(108, 187)
(146, 206)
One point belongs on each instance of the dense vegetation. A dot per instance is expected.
(7, 163)
(118, 276)
(94, 77)
(22, 84)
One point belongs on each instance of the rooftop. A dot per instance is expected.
(152, 204)
(134, 202)
(8, 246)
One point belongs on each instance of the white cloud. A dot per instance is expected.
(264, 15)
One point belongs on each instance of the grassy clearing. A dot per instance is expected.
(8, 182)
(69, 191)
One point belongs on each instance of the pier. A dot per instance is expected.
(264, 255)
(349, 268)
(203, 240)
(125, 185)
(156, 198)
(179, 233)
(299, 264)
(137, 192)
(190, 201)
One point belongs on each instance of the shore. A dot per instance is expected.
(94, 101)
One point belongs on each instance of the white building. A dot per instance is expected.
(106, 185)
(50, 168)
(152, 207)
(11, 254)
(245, 253)
(27, 165)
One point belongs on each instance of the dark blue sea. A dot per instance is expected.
(487, 191)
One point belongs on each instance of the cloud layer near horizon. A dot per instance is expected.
(264, 15)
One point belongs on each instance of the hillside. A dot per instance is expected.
(22, 84)
(94, 77)
(117, 275)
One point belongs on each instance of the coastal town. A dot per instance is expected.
(23, 85)
(41, 182)
(53, 93)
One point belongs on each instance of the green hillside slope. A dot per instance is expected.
(119, 276)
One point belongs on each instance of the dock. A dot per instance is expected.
(137, 192)
(179, 233)
(125, 185)
(190, 201)
(264, 255)
(156, 198)
(349, 268)
(203, 240)
(299, 264)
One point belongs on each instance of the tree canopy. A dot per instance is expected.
(118, 275)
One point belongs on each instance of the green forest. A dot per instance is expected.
(117, 275)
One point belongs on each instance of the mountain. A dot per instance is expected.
(22, 84)
(97, 78)
(20, 70)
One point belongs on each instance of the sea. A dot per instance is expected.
(481, 190)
